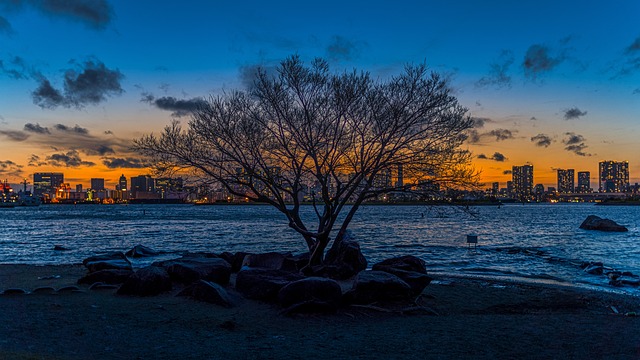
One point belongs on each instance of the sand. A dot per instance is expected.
(476, 319)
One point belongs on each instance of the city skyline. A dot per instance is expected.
(552, 85)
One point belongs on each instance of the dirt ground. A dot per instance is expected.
(467, 318)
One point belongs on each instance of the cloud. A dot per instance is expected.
(498, 72)
(249, 73)
(180, 107)
(573, 113)
(479, 122)
(542, 140)
(69, 159)
(9, 168)
(16, 68)
(15, 135)
(76, 129)
(495, 157)
(501, 134)
(129, 162)
(533, 118)
(36, 128)
(507, 172)
(575, 144)
(341, 48)
(5, 26)
(89, 84)
(108, 132)
(634, 47)
(538, 60)
(95, 14)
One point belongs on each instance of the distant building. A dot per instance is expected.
(47, 183)
(400, 178)
(510, 192)
(97, 184)
(566, 181)
(613, 176)
(584, 182)
(522, 177)
(141, 186)
(122, 184)
(495, 188)
(79, 188)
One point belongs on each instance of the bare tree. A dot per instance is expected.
(338, 134)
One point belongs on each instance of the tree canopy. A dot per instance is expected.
(334, 139)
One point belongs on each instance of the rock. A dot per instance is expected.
(407, 263)
(594, 269)
(270, 260)
(346, 260)
(295, 263)
(14, 291)
(102, 286)
(207, 291)
(629, 280)
(263, 284)
(139, 251)
(115, 260)
(69, 289)
(234, 259)
(107, 276)
(410, 269)
(44, 290)
(59, 248)
(593, 222)
(187, 270)
(311, 289)
(148, 281)
(372, 286)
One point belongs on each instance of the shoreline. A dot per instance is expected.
(476, 318)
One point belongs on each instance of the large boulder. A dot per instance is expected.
(295, 263)
(234, 259)
(139, 251)
(187, 270)
(107, 276)
(593, 222)
(325, 293)
(372, 286)
(270, 260)
(263, 284)
(148, 281)
(116, 260)
(344, 260)
(410, 269)
(207, 291)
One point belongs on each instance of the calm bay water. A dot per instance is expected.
(540, 241)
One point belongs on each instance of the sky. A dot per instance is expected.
(555, 84)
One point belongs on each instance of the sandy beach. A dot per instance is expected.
(470, 318)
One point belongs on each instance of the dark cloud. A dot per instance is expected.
(131, 163)
(538, 60)
(34, 160)
(495, 157)
(479, 122)
(498, 72)
(573, 113)
(15, 135)
(341, 48)
(533, 118)
(507, 172)
(501, 134)
(249, 73)
(76, 129)
(90, 84)
(5, 26)
(634, 47)
(572, 138)
(16, 68)
(96, 14)
(473, 136)
(9, 168)
(99, 149)
(630, 63)
(108, 132)
(69, 159)
(542, 140)
(180, 107)
(36, 128)
(575, 144)
(636, 91)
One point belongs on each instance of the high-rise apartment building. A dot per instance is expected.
(613, 176)
(495, 188)
(142, 184)
(47, 183)
(566, 181)
(522, 177)
(97, 184)
(584, 182)
(122, 184)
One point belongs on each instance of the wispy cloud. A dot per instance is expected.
(96, 14)
(5, 26)
(474, 136)
(539, 59)
(128, 162)
(575, 144)
(342, 48)
(542, 140)
(36, 128)
(15, 135)
(498, 72)
(70, 158)
(573, 113)
(507, 172)
(9, 168)
(89, 83)
(495, 157)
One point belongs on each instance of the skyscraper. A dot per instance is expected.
(122, 183)
(522, 177)
(566, 181)
(614, 176)
(47, 183)
(97, 184)
(584, 182)
(142, 184)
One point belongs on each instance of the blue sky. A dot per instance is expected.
(554, 84)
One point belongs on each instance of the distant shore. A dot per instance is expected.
(477, 318)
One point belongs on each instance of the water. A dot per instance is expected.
(541, 241)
